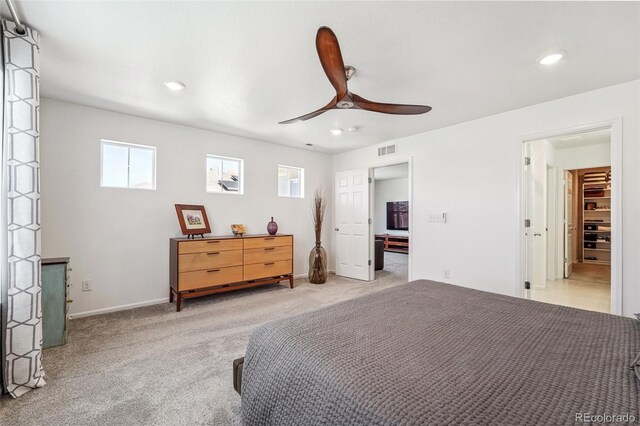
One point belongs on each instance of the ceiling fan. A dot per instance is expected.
(331, 60)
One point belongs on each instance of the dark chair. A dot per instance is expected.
(379, 255)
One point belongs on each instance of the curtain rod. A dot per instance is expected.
(19, 27)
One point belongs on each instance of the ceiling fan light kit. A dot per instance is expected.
(333, 65)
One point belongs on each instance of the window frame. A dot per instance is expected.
(240, 172)
(301, 169)
(153, 149)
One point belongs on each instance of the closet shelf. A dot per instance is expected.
(596, 193)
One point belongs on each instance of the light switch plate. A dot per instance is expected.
(438, 217)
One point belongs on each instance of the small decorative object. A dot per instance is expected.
(237, 229)
(272, 227)
(318, 256)
(590, 206)
(193, 220)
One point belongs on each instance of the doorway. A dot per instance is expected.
(568, 226)
(390, 220)
(356, 218)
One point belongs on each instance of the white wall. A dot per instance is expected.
(583, 157)
(388, 190)
(119, 238)
(472, 171)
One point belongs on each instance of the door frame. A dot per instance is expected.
(566, 250)
(385, 163)
(616, 204)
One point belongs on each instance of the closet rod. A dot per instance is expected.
(19, 27)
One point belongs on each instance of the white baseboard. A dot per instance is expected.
(145, 303)
(118, 308)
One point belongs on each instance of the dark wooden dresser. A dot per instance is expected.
(203, 266)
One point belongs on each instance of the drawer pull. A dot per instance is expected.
(213, 242)
(270, 238)
(269, 264)
(213, 270)
(213, 252)
(269, 248)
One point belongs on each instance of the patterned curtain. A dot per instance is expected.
(20, 262)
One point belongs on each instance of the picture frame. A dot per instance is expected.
(590, 205)
(238, 229)
(193, 219)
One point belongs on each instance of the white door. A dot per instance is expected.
(569, 227)
(535, 213)
(352, 224)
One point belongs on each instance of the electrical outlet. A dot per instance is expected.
(86, 285)
(447, 273)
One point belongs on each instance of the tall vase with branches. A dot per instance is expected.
(318, 255)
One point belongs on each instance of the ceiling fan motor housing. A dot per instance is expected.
(344, 104)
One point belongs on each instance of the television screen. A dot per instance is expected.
(398, 215)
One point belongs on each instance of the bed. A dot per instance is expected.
(432, 353)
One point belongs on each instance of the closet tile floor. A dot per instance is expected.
(589, 288)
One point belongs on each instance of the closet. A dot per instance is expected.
(594, 207)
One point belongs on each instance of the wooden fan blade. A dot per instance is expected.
(398, 109)
(331, 60)
(327, 107)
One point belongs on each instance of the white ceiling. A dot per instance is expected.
(397, 171)
(595, 137)
(249, 65)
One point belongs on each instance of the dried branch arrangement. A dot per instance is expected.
(318, 210)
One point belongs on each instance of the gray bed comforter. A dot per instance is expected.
(432, 353)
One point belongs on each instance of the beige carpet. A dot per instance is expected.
(153, 366)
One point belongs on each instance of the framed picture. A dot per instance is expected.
(590, 206)
(237, 229)
(193, 219)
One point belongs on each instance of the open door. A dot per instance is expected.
(535, 175)
(569, 227)
(352, 224)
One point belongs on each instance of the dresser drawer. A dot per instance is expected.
(267, 269)
(262, 242)
(205, 246)
(213, 259)
(267, 254)
(209, 278)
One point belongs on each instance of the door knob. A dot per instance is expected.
(337, 229)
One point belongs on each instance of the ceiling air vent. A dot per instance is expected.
(386, 150)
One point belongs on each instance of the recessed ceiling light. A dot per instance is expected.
(552, 58)
(174, 85)
(336, 132)
(353, 129)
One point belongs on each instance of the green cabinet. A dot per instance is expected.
(54, 301)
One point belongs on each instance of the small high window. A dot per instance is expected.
(224, 175)
(290, 181)
(125, 165)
